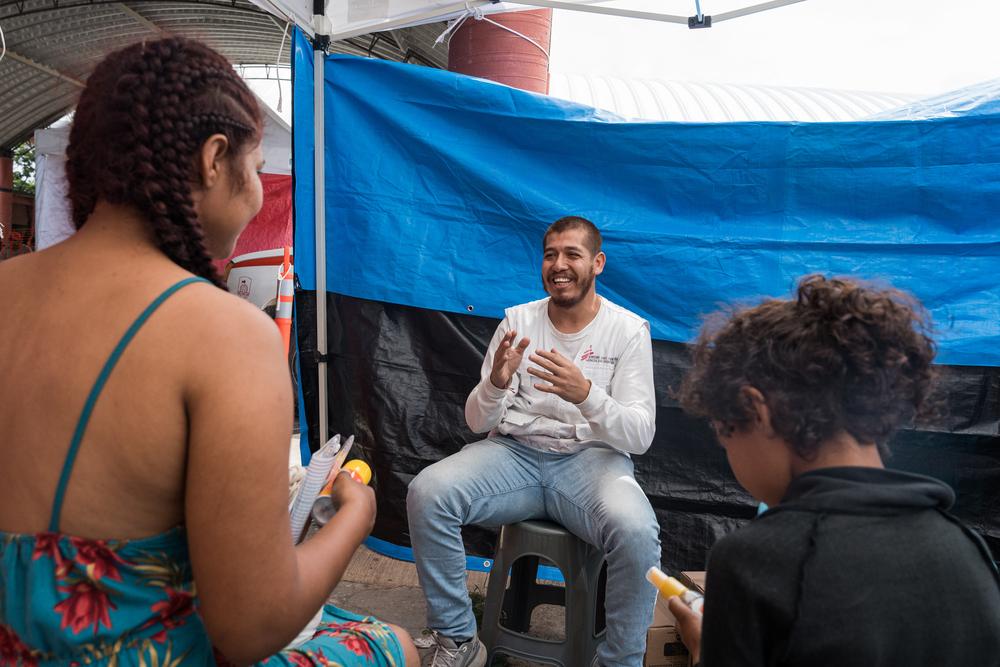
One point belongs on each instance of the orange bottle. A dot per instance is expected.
(323, 509)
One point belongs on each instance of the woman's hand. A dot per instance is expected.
(688, 626)
(257, 590)
(351, 495)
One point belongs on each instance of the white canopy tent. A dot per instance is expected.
(53, 217)
(332, 20)
(344, 19)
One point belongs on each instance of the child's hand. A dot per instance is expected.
(688, 626)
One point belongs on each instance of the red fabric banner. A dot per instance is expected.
(272, 227)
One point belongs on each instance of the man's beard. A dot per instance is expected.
(570, 300)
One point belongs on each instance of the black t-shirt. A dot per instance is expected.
(855, 567)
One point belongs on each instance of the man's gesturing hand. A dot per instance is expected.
(564, 378)
(507, 359)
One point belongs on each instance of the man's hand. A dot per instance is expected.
(688, 626)
(507, 359)
(564, 378)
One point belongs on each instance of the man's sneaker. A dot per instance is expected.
(447, 653)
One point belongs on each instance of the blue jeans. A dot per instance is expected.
(497, 481)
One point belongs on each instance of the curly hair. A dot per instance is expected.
(144, 115)
(842, 356)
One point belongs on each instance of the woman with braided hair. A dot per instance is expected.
(171, 470)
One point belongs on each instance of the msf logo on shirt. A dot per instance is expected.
(589, 356)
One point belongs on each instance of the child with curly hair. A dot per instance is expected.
(854, 563)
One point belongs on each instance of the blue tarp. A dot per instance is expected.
(439, 187)
(982, 99)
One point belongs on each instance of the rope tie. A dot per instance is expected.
(277, 63)
(477, 14)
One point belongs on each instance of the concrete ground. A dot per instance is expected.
(388, 589)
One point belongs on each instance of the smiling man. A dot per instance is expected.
(566, 395)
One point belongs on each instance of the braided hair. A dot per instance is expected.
(139, 126)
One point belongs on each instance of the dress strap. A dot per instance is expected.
(95, 392)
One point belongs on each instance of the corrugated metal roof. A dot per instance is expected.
(659, 100)
(52, 46)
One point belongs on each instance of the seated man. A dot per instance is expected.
(562, 421)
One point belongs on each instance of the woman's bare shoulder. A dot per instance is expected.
(223, 323)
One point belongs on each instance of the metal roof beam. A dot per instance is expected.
(143, 20)
(26, 116)
(651, 16)
(24, 135)
(612, 11)
(17, 57)
(753, 9)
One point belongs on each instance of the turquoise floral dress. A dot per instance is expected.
(68, 600)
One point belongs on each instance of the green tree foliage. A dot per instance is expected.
(24, 168)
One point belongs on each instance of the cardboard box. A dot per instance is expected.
(665, 649)
(661, 614)
(663, 645)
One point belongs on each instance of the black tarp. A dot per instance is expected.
(399, 377)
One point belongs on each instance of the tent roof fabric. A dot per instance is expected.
(53, 46)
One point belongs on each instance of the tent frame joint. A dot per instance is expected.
(321, 43)
(703, 21)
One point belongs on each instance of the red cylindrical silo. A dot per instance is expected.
(482, 49)
(6, 200)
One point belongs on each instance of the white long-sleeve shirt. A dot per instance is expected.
(614, 352)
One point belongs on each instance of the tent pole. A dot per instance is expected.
(319, 186)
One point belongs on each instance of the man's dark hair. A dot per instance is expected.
(575, 222)
(841, 356)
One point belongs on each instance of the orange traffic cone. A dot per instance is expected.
(286, 294)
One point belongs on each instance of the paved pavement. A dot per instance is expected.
(388, 589)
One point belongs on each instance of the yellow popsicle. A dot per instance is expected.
(667, 585)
